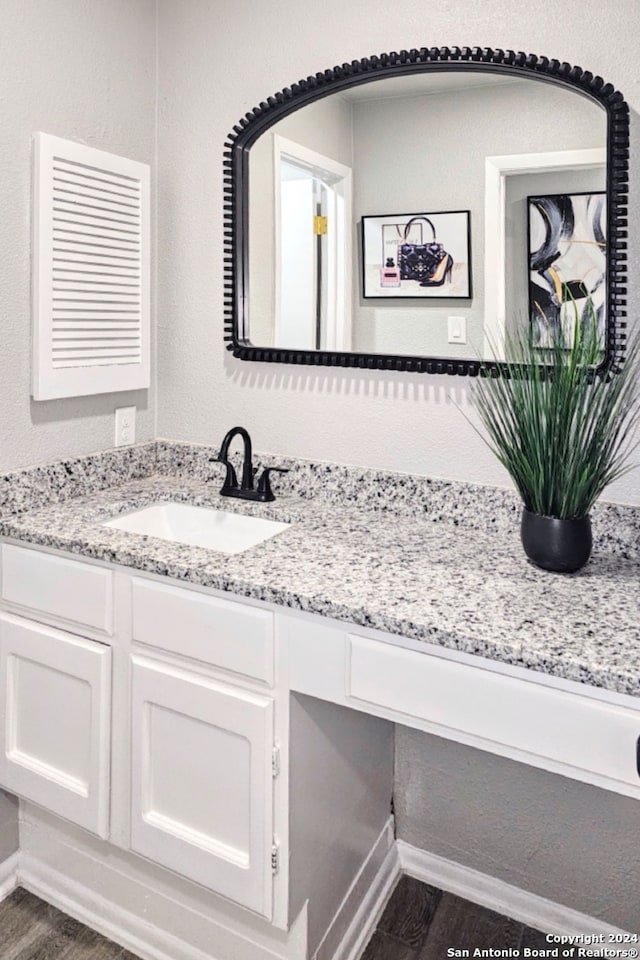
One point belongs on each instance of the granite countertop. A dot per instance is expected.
(458, 587)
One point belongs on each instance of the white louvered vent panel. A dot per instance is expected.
(91, 271)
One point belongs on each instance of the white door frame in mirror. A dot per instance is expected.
(497, 169)
(339, 243)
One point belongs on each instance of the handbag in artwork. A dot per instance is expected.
(419, 261)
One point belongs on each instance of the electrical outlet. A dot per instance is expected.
(457, 327)
(125, 426)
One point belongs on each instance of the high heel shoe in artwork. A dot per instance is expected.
(441, 275)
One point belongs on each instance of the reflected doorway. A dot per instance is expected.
(313, 249)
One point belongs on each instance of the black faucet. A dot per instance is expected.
(246, 490)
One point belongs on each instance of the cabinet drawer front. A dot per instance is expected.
(55, 721)
(525, 717)
(52, 586)
(219, 632)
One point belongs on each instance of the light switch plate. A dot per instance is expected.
(125, 426)
(457, 329)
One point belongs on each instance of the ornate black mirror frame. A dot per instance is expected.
(255, 123)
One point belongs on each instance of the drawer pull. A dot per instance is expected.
(638, 755)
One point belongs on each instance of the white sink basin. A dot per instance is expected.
(198, 526)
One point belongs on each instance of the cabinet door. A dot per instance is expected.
(201, 781)
(55, 721)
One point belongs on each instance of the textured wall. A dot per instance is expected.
(84, 70)
(215, 64)
(567, 841)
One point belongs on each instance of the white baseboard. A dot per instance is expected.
(9, 875)
(358, 915)
(90, 892)
(111, 921)
(497, 895)
(146, 940)
(140, 906)
(62, 870)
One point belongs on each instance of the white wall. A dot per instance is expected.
(84, 70)
(216, 63)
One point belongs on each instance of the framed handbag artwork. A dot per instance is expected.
(417, 255)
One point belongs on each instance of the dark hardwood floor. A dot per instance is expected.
(419, 923)
(422, 923)
(30, 929)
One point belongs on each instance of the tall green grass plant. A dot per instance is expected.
(561, 432)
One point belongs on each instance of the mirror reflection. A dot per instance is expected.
(425, 214)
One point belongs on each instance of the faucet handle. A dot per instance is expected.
(231, 479)
(264, 483)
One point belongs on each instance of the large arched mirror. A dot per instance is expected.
(407, 211)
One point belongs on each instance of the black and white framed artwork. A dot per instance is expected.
(567, 263)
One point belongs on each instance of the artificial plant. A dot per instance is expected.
(562, 423)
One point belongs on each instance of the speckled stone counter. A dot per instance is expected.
(440, 563)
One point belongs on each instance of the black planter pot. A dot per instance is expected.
(553, 544)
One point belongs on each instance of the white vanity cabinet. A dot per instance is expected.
(55, 705)
(55, 721)
(202, 727)
(201, 798)
(193, 674)
(245, 748)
